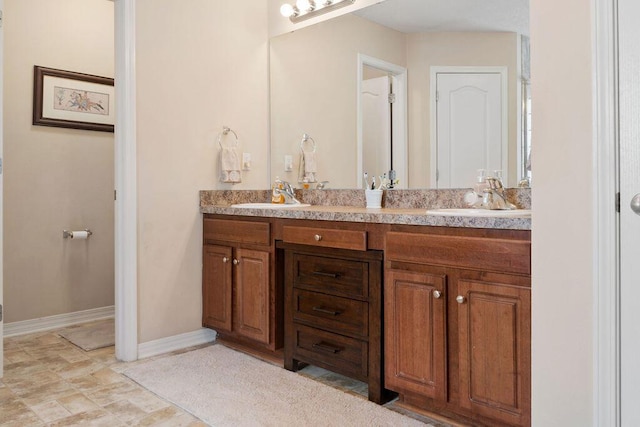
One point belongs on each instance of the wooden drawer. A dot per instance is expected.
(328, 312)
(479, 253)
(325, 237)
(335, 352)
(330, 275)
(228, 230)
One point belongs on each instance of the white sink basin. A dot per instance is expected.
(269, 205)
(515, 213)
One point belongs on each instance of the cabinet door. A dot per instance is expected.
(495, 348)
(252, 294)
(415, 339)
(216, 287)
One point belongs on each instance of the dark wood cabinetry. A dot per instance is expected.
(457, 307)
(333, 303)
(457, 323)
(239, 290)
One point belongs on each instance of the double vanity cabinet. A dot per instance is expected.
(438, 315)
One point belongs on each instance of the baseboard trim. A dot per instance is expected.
(175, 342)
(57, 321)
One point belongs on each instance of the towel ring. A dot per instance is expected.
(305, 138)
(225, 132)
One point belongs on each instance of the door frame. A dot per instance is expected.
(126, 216)
(398, 118)
(606, 265)
(433, 139)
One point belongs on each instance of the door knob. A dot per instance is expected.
(460, 299)
(635, 204)
(236, 262)
(225, 259)
(437, 294)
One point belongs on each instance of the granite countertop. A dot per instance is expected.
(409, 216)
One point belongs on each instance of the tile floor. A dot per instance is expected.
(50, 382)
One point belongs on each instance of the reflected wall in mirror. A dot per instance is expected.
(319, 73)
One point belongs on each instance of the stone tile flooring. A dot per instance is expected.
(50, 382)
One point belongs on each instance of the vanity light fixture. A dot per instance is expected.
(305, 9)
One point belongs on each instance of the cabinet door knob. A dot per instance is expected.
(460, 299)
(317, 237)
(236, 262)
(437, 294)
(225, 259)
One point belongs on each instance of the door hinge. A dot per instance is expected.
(618, 202)
(0, 312)
(392, 98)
(437, 96)
(0, 165)
(115, 194)
(1, 19)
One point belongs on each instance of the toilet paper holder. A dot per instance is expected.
(66, 234)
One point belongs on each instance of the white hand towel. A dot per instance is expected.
(308, 167)
(230, 165)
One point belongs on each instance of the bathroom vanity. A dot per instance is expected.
(435, 309)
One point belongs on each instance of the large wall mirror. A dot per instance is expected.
(433, 90)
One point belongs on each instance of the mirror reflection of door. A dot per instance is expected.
(470, 131)
(376, 122)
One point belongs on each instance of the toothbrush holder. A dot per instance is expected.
(374, 199)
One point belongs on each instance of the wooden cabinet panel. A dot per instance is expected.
(494, 350)
(330, 312)
(217, 287)
(480, 253)
(241, 299)
(415, 340)
(325, 237)
(252, 294)
(331, 351)
(228, 230)
(331, 275)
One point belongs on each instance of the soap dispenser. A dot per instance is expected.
(275, 196)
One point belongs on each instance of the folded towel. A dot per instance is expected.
(308, 167)
(230, 165)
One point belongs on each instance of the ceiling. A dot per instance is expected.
(416, 16)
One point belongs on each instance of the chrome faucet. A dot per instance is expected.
(493, 197)
(287, 191)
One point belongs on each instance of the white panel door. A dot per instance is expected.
(376, 126)
(629, 92)
(469, 120)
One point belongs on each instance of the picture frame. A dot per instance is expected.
(74, 100)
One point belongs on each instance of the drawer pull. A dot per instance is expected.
(326, 347)
(323, 274)
(317, 237)
(326, 311)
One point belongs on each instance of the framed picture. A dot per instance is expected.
(72, 100)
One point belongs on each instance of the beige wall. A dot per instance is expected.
(55, 179)
(426, 50)
(317, 93)
(198, 68)
(563, 223)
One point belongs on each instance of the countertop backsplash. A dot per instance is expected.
(395, 199)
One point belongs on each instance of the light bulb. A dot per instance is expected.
(287, 10)
(304, 5)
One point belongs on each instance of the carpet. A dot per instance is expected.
(91, 336)
(224, 387)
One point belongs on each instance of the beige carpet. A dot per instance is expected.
(224, 387)
(91, 336)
